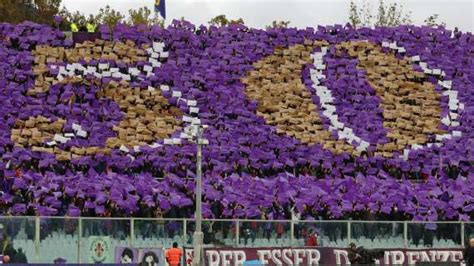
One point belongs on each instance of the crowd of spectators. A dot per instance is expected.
(250, 169)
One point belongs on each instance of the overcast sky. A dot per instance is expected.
(301, 13)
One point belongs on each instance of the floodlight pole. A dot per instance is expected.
(198, 259)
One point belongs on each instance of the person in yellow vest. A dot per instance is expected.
(90, 26)
(74, 27)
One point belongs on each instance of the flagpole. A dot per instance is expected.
(160, 8)
(155, 8)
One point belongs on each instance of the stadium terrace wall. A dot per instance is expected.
(88, 240)
(334, 120)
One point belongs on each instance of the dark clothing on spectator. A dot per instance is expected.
(9, 251)
(428, 237)
(417, 234)
(19, 257)
(354, 257)
(468, 256)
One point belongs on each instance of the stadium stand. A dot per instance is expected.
(326, 123)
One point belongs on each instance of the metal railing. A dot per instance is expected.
(44, 238)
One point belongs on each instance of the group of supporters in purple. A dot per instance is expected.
(64, 151)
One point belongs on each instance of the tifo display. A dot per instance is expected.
(329, 123)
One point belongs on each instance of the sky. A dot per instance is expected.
(300, 13)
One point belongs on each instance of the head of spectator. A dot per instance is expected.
(353, 246)
(60, 261)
